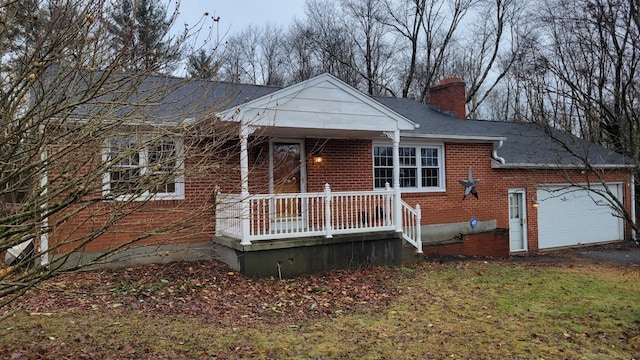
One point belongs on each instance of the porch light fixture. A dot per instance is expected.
(534, 202)
(317, 156)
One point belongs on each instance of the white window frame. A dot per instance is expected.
(418, 146)
(178, 194)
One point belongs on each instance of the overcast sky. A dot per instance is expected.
(236, 15)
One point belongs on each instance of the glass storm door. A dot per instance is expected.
(516, 221)
(287, 175)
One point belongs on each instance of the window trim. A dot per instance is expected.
(178, 194)
(417, 145)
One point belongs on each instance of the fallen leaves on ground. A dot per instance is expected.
(210, 289)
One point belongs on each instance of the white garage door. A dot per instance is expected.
(571, 216)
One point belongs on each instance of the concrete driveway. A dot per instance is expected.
(622, 253)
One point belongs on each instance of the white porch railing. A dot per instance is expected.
(278, 216)
(229, 215)
(411, 230)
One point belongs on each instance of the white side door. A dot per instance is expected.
(517, 221)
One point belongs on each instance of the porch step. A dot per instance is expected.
(454, 240)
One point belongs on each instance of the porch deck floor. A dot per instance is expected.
(274, 244)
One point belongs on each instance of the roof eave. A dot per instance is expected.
(454, 138)
(496, 164)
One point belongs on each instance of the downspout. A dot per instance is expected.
(494, 154)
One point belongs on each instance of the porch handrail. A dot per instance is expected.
(291, 215)
(229, 215)
(326, 213)
(411, 229)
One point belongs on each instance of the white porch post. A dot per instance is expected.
(44, 223)
(328, 228)
(245, 131)
(419, 229)
(397, 204)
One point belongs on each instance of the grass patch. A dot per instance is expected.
(455, 310)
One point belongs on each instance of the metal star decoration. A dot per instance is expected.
(469, 185)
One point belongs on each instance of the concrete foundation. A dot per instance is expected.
(454, 231)
(135, 256)
(294, 257)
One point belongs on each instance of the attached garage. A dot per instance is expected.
(569, 215)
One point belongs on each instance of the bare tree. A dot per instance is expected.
(425, 33)
(485, 57)
(332, 48)
(299, 45)
(406, 19)
(372, 39)
(587, 65)
(272, 56)
(85, 146)
(580, 75)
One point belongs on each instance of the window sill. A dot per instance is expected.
(416, 190)
(156, 197)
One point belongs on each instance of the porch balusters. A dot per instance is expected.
(269, 216)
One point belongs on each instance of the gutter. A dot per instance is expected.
(455, 138)
(562, 166)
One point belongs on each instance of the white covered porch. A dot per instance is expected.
(328, 108)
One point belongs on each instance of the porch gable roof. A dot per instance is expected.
(323, 102)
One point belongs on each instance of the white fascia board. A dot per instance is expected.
(454, 138)
(162, 124)
(252, 110)
(559, 166)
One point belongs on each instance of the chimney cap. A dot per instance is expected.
(450, 80)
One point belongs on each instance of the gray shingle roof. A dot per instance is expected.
(171, 99)
(165, 99)
(525, 144)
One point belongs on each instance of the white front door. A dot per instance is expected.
(517, 221)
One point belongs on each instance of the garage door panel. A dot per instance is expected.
(572, 216)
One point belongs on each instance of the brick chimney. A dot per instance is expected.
(450, 95)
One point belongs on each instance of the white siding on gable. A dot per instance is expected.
(322, 103)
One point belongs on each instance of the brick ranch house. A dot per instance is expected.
(327, 176)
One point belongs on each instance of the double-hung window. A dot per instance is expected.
(421, 167)
(140, 168)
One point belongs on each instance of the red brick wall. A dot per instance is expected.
(489, 243)
(157, 222)
(347, 165)
(448, 207)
